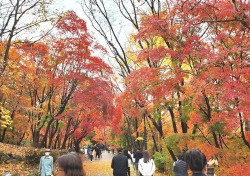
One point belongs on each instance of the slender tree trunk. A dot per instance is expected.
(36, 135)
(130, 133)
(137, 133)
(157, 125)
(66, 134)
(171, 153)
(215, 139)
(3, 135)
(145, 141)
(170, 109)
(77, 146)
(53, 132)
(195, 128)
(21, 139)
(44, 140)
(154, 138)
(242, 132)
(184, 126)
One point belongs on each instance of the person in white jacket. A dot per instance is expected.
(146, 165)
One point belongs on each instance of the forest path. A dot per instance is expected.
(102, 167)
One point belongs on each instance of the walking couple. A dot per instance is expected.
(144, 164)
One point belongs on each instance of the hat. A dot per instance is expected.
(119, 149)
(47, 150)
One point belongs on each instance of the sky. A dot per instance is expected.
(75, 5)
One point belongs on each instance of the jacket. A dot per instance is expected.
(119, 164)
(146, 169)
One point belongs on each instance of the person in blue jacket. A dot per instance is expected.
(46, 164)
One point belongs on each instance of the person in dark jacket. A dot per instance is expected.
(138, 155)
(119, 164)
(180, 166)
(130, 160)
(197, 162)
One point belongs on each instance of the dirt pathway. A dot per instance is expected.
(102, 167)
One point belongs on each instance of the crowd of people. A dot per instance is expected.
(71, 164)
(94, 152)
(144, 165)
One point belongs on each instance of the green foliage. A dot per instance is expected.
(218, 127)
(160, 161)
(179, 142)
(186, 109)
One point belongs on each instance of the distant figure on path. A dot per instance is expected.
(180, 166)
(197, 162)
(113, 150)
(69, 165)
(119, 164)
(91, 154)
(146, 165)
(46, 164)
(72, 150)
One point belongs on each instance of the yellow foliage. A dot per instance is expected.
(5, 119)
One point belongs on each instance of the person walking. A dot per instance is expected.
(88, 152)
(197, 162)
(138, 155)
(91, 154)
(119, 164)
(46, 164)
(180, 166)
(146, 165)
(130, 161)
(69, 165)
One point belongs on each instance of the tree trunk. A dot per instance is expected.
(242, 132)
(21, 139)
(44, 140)
(215, 140)
(171, 153)
(145, 141)
(154, 138)
(77, 146)
(130, 133)
(170, 109)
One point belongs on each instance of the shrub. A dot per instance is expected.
(33, 156)
(4, 157)
(160, 161)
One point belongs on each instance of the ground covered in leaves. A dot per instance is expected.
(12, 159)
